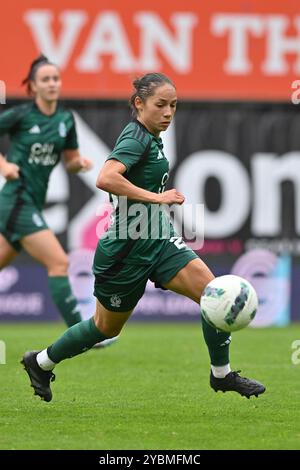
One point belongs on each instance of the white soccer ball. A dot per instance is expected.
(229, 303)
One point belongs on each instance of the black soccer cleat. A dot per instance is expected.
(39, 378)
(233, 382)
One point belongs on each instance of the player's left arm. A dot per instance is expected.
(74, 162)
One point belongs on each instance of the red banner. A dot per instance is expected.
(211, 49)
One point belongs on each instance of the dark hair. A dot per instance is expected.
(35, 65)
(145, 86)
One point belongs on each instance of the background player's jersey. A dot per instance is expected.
(146, 167)
(37, 141)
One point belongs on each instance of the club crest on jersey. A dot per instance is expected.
(62, 130)
(115, 301)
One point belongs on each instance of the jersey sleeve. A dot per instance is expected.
(71, 141)
(128, 151)
(8, 121)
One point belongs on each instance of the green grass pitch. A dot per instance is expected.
(150, 391)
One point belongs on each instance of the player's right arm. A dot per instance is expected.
(10, 171)
(111, 179)
(8, 120)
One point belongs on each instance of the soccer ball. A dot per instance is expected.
(229, 303)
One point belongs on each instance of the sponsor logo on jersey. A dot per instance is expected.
(115, 301)
(42, 154)
(35, 130)
(62, 130)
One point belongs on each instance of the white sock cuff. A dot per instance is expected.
(220, 371)
(44, 361)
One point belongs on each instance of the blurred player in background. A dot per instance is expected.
(137, 169)
(40, 132)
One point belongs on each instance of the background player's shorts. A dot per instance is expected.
(119, 286)
(19, 217)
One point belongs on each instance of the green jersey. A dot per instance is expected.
(137, 227)
(37, 141)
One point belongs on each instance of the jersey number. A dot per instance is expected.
(178, 242)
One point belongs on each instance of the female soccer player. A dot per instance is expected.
(40, 132)
(137, 169)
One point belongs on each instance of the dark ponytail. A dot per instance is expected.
(146, 86)
(35, 65)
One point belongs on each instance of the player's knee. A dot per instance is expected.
(4, 261)
(59, 267)
(207, 278)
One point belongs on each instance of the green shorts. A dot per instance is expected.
(119, 286)
(19, 217)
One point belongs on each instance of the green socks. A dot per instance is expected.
(218, 344)
(76, 340)
(64, 300)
